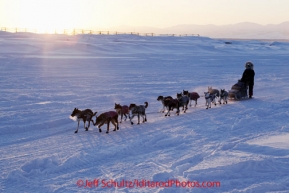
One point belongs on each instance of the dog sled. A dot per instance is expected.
(238, 91)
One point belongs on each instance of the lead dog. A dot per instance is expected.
(139, 110)
(210, 98)
(106, 118)
(122, 110)
(85, 115)
(223, 96)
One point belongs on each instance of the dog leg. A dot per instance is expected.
(131, 119)
(88, 125)
(144, 119)
(117, 123)
(178, 109)
(169, 110)
(100, 126)
(168, 113)
(84, 121)
(121, 114)
(107, 131)
(124, 116)
(94, 123)
(138, 117)
(77, 127)
(113, 121)
(163, 110)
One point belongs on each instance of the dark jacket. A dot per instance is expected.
(248, 76)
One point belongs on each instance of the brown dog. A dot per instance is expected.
(106, 118)
(122, 110)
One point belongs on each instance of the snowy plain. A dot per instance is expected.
(243, 145)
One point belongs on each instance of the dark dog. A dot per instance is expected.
(139, 110)
(172, 104)
(183, 101)
(85, 115)
(162, 99)
(223, 96)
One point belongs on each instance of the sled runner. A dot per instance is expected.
(238, 91)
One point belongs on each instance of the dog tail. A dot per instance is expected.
(94, 114)
(146, 104)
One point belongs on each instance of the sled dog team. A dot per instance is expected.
(183, 100)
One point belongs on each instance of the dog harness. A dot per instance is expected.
(210, 96)
(224, 94)
(110, 114)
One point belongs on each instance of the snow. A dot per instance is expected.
(243, 145)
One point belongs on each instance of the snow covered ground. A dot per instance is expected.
(239, 147)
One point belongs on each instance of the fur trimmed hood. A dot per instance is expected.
(249, 65)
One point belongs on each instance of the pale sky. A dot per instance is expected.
(102, 14)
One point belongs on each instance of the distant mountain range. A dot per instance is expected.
(245, 30)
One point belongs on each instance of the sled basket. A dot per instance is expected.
(238, 91)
